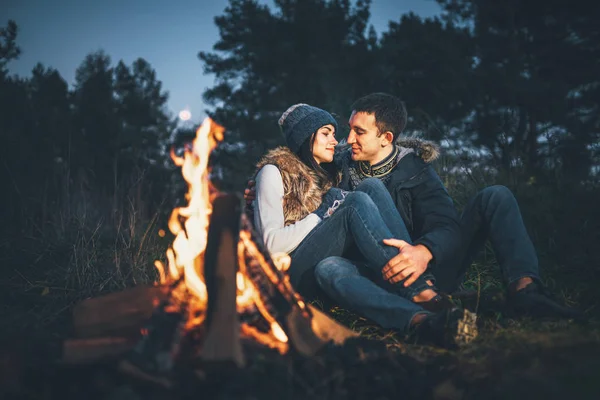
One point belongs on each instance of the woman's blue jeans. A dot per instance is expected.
(367, 216)
(344, 281)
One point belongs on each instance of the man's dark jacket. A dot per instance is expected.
(425, 206)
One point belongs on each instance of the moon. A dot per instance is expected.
(185, 115)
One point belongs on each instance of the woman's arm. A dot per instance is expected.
(268, 214)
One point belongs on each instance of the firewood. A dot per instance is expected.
(88, 351)
(301, 334)
(222, 341)
(328, 329)
(158, 348)
(308, 329)
(120, 314)
(130, 311)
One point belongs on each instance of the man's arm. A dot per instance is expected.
(410, 263)
(435, 218)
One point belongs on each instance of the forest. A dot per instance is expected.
(510, 90)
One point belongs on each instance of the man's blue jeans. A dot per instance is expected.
(366, 217)
(492, 214)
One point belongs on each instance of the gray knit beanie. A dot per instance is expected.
(300, 121)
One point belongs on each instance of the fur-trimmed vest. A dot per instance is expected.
(302, 194)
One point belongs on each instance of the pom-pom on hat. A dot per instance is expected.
(300, 121)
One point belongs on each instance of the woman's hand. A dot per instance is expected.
(250, 192)
(331, 201)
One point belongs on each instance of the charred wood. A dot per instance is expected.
(222, 342)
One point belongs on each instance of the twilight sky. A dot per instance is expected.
(168, 34)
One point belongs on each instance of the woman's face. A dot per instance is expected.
(324, 144)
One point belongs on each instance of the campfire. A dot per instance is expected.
(219, 293)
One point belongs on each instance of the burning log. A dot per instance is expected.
(158, 347)
(154, 355)
(277, 295)
(328, 329)
(121, 313)
(219, 289)
(222, 342)
(309, 327)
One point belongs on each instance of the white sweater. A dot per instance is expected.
(268, 214)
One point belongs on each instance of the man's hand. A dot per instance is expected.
(250, 192)
(410, 263)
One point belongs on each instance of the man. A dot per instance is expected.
(441, 242)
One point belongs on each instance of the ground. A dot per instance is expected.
(510, 359)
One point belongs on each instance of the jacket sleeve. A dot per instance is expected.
(435, 218)
(269, 219)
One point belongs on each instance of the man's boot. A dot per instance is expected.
(451, 328)
(533, 301)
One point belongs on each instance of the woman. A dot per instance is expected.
(299, 211)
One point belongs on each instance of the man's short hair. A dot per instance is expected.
(390, 112)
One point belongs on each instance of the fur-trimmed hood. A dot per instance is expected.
(427, 150)
(302, 193)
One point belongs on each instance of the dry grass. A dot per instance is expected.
(93, 242)
(96, 243)
(90, 243)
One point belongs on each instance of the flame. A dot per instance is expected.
(189, 225)
(282, 261)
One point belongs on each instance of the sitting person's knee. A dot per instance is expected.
(371, 184)
(497, 193)
(334, 267)
(359, 199)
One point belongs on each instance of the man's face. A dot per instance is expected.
(363, 136)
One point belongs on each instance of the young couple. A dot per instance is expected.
(374, 228)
